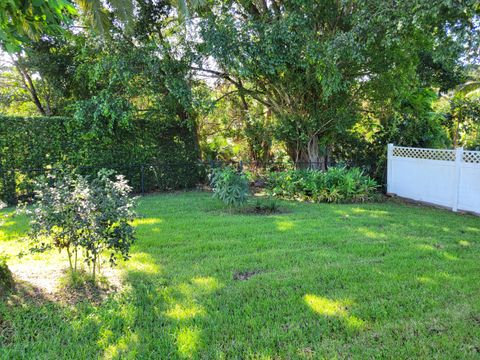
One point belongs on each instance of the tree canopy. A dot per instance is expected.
(312, 80)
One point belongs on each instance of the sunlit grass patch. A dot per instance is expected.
(188, 341)
(333, 308)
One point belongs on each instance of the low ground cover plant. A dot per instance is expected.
(229, 185)
(83, 216)
(337, 184)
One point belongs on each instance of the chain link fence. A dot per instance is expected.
(18, 184)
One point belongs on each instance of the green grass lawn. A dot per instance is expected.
(335, 281)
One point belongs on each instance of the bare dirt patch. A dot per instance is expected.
(245, 275)
(39, 280)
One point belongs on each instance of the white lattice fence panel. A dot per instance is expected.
(453, 181)
(471, 157)
(427, 154)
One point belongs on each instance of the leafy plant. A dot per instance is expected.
(334, 185)
(229, 185)
(60, 215)
(6, 278)
(110, 219)
(268, 206)
(76, 213)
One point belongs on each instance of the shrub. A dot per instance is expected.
(6, 278)
(110, 219)
(75, 213)
(229, 185)
(334, 185)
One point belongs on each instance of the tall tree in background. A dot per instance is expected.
(318, 64)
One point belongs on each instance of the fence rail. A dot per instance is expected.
(449, 178)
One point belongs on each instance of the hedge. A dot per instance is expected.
(153, 154)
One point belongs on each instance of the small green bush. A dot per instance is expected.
(6, 278)
(337, 184)
(75, 213)
(229, 185)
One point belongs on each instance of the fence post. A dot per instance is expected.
(389, 168)
(142, 180)
(458, 168)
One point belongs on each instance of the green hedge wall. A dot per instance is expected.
(152, 154)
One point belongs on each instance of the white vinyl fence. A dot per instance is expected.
(449, 178)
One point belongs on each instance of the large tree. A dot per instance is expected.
(318, 64)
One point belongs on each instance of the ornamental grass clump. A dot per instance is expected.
(84, 217)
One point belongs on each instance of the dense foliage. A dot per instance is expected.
(82, 216)
(159, 156)
(229, 185)
(337, 184)
(320, 66)
(313, 82)
(24, 20)
(125, 99)
(414, 123)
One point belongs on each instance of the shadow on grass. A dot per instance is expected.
(32, 324)
(157, 318)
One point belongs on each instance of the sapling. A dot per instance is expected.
(73, 212)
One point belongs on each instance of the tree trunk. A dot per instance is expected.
(70, 259)
(28, 83)
(315, 159)
(76, 257)
(310, 156)
(94, 265)
(455, 134)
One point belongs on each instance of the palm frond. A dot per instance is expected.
(95, 14)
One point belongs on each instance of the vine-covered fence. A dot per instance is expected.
(449, 178)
